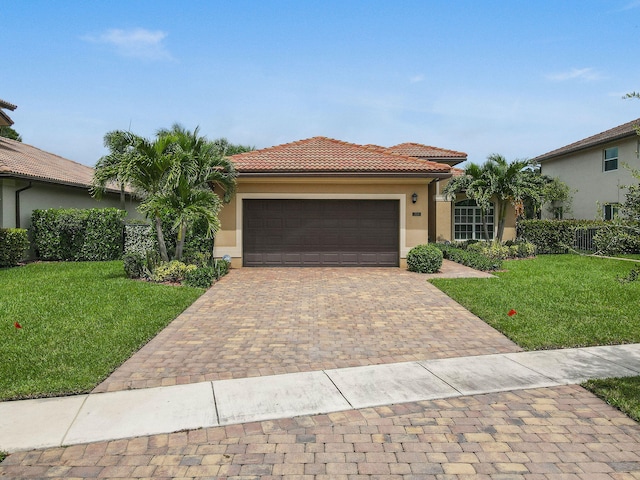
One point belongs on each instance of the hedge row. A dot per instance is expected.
(80, 235)
(469, 258)
(13, 246)
(553, 236)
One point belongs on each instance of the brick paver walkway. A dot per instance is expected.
(266, 321)
(542, 434)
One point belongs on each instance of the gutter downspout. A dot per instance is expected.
(18, 203)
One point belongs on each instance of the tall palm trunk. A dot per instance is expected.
(161, 244)
(502, 214)
(485, 225)
(182, 233)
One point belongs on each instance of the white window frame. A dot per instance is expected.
(467, 214)
(608, 160)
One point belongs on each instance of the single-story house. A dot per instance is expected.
(595, 168)
(32, 179)
(327, 202)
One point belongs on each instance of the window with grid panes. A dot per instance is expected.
(467, 221)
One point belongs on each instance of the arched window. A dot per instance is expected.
(467, 221)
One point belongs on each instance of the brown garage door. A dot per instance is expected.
(321, 233)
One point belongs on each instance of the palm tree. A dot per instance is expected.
(477, 187)
(175, 175)
(511, 184)
(140, 164)
(497, 179)
(198, 169)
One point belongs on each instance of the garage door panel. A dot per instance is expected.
(321, 232)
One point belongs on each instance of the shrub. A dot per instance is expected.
(494, 250)
(173, 271)
(553, 236)
(616, 238)
(221, 267)
(75, 234)
(424, 259)
(13, 246)
(139, 238)
(201, 277)
(468, 258)
(134, 265)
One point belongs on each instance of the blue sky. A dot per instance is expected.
(518, 78)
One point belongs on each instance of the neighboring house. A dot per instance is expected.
(5, 120)
(31, 179)
(595, 168)
(326, 202)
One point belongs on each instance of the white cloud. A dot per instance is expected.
(588, 74)
(416, 78)
(630, 6)
(135, 43)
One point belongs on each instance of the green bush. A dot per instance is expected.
(617, 237)
(13, 246)
(469, 258)
(134, 265)
(553, 236)
(75, 234)
(139, 238)
(424, 259)
(173, 271)
(201, 277)
(494, 250)
(221, 267)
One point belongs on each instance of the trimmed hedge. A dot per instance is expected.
(553, 236)
(469, 258)
(618, 237)
(78, 234)
(13, 246)
(425, 258)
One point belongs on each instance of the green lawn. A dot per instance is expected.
(561, 301)
(79, 322)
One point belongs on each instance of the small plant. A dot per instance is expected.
(173, 271)
(201, 277)
(134, 264)
(424, 259)
(221, 267)
(3, 455)
(633, 275)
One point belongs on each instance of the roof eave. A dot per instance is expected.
(553, 156)
(51, 181)
(289, 173)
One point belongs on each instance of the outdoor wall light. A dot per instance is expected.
(414, 197)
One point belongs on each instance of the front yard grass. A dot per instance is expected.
(79, 322)
(562, 301)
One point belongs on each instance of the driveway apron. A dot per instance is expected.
(266, 321)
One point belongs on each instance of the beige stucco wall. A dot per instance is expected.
(43, 195)
(413, 229)
(590, 184)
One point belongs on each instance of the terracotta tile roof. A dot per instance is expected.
(326, 155)
(616, 133)
(24, 161)
(419, 150)
(456, 172)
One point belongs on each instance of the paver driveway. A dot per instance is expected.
(265, 321)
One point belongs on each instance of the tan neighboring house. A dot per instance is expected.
(31, 179)
(325, 202)
(595, 169)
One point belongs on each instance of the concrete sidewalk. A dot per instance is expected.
(43, 423)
